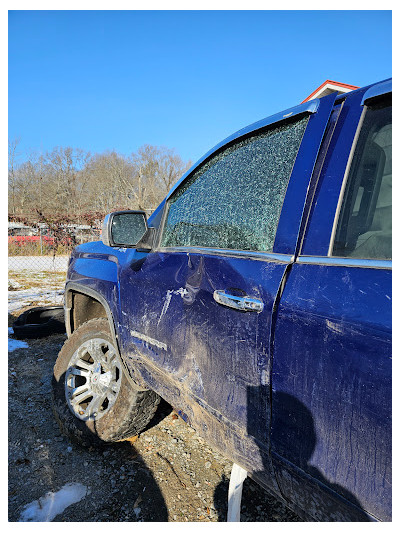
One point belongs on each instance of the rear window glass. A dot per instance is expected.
(365, 222)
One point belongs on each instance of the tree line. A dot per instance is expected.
(74, 184)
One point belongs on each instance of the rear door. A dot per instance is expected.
(200, 306)
(331, 397)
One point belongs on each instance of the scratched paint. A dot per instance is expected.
(181, 292)
(148, 340)
(334, 358)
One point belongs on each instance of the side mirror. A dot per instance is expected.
(125, 229)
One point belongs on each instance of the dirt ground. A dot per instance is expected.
(168, 474)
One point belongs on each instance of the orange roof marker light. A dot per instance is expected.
(329, 87)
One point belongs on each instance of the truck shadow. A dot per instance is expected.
(303, 486)
(163, 410)
(130, 492)
(146, 495)
(129, 455)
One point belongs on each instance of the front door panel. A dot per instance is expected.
(216, 357)
(219, 233)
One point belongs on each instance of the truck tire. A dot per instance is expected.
(39, 322)
(93, 401)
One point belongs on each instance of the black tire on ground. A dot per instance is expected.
(84, 362)
(39, 322)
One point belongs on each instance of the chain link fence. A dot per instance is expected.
(38, 253)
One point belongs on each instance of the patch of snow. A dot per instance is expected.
(10, 331)
(13, 285)
(46, 508)
(13, 344)
(38, 296)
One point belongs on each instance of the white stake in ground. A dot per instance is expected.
(238, 475)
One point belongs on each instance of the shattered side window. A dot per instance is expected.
(234, 200)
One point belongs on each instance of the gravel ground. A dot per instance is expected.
(167, 474)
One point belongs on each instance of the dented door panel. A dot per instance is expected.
(212, 360)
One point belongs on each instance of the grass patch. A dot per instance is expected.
(51, 282)
(34, 248)
(21, 280)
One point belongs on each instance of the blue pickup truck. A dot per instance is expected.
(256, 300)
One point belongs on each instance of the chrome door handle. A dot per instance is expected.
(242, 303)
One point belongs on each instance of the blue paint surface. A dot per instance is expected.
(298, 394)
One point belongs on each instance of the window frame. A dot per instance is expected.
(309, 108)
(306, 109)
(252, 133)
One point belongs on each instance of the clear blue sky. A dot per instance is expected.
(101, 80)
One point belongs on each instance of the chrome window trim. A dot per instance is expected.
(309, 108)
(239, 254)
(380, 89)
(344, 182)
(346, 261)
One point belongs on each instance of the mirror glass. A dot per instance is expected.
(128, 228)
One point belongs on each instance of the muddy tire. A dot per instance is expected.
(93, 401)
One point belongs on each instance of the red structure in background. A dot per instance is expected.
(21, 240)
(328, 87)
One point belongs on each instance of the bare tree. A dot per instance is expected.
(61, 171)
(157, 169)
(70, 181)
(12, 156)
(108, 179)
